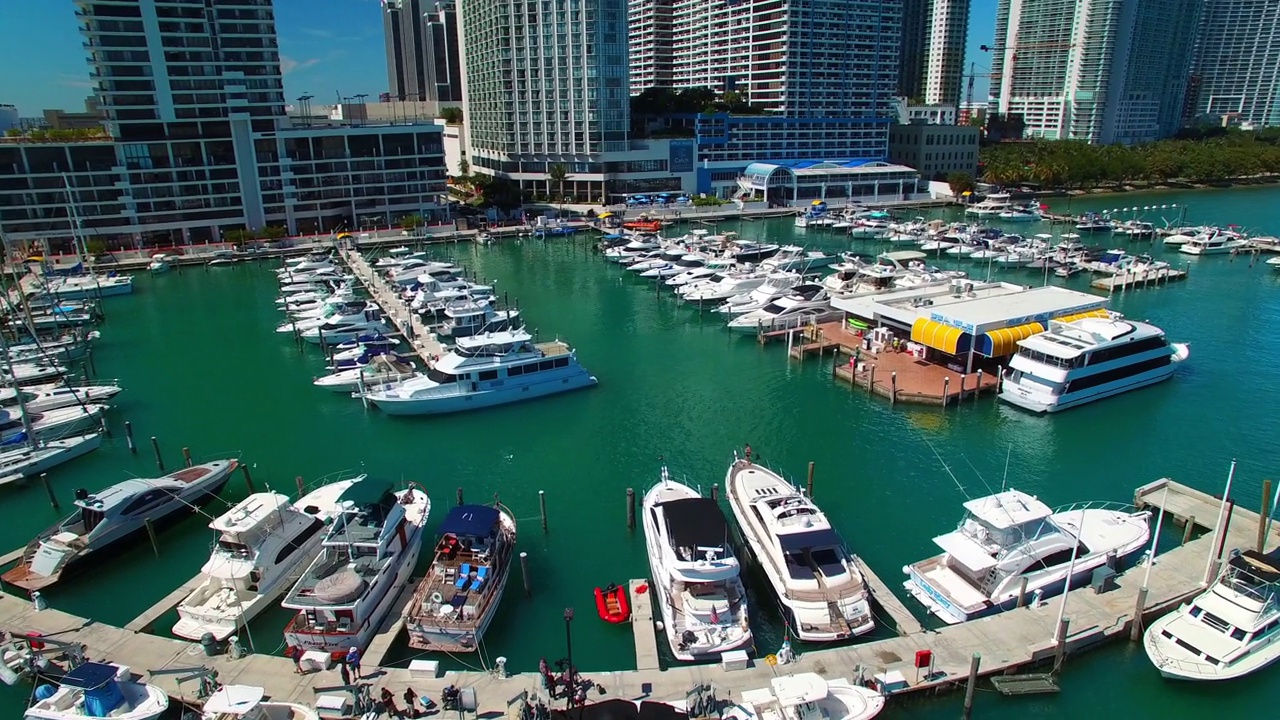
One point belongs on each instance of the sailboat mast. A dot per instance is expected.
(22, 403)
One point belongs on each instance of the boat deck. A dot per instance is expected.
(333, 561)
(553, 348)
(1140, 279)
(464, 596)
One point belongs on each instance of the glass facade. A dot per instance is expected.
(1237, 66)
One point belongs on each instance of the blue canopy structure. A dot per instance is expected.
(470, 520)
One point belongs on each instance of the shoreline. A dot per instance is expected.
(1144, 186)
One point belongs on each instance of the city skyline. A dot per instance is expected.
(339, 54)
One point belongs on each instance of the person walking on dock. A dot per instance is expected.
(389, 703)
(353, 662)
(296, 653)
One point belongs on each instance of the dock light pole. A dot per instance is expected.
(1217, 529)
(568, 643)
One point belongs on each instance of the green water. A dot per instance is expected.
(203, 369)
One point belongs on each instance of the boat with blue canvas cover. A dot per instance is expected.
(97, 690)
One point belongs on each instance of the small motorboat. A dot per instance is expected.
(247, 702)
(611, 603)
(160, 263)
(97, 690)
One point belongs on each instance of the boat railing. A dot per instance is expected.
(1113, 505)
(1162, 660)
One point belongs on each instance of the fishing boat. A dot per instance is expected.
(246, 702)
(807, 696)
(1010, 537)
(366, 556)
(458, 598)
(611, 604)
(107, 517)
(379, 370)
(1228, 631)
(814, 576)
(263, 543)
(97, 690)
(696, 580)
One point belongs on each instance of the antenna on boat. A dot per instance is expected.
(1005, 480)
(948, 469)
(980, 478)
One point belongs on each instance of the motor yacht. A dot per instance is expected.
(991, 206)
(815, 578)
(696, 580)
(1076, 362)
(1011, 536)
(1138, 230)
(263, 544)
(246, 702)
(796, 258)
(776, 285)
(43, 399)
(85, 287)
(309, 262)
(719, 288)
(484, 370)
(348, 326)
(34, 457)
(380, 370)
(638, 244)
(672, 269)
(806, 696)
(97, 690)
(752, 252)
(109, 516)
(1094, 223)
(338, 311)
(367, 555)
(1020, 214)
(1229, 630)
(1216, 244)
(464, 318)
(32, 373)
(160, 263)
(458, 598)
(706, 270)
(805, 303)
(222, 258)
(50, 424)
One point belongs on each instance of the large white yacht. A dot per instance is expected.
(338, 330)
(709, 268)
(263, 544)
(485, 370)
(366, 557)
(803, 304)
(1011, 535)
(695, 573)
(1083, 360)
(991, 206)
(794, 257)
(806, 696)
(816, 579)
(719, 288)
(1230, 630)
(1215, 244)
(775, 286)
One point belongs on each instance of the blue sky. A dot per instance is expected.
(337, 49)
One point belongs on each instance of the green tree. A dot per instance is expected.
(961, 183)
(451, 115)
(558, 173)
(411, 222)
(464, 167)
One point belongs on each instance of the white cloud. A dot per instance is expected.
(288, 64)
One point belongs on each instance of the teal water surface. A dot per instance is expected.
(203, 369)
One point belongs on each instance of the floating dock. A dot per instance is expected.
(391, 626)
(1009, 643)
(1145, 278)
(642, 627)
(903, 619)
(145, 621)
(407, 322)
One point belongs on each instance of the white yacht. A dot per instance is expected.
(160, 262)
(816, 579)
(776, 285)
(1020, 213)
(473, 316)
(264, 542)
(380, 370)
(877, 277)
(1011, 535)
(1137, 230)
(1076, 362)
(991, 206)
(485, 370)
(806, 696)
(796, 258)
(113, 514)
(367, 555)
(50, 424)
(97, 690)
(709, 268)
(42, 399)
(803, 304)
(87, 287)
(1216, 244)
(343, 328)
(1274, 263)
(695, 574)
(33, 458)
(246, 702)
(1228, 631)
(638, 244)
(337, 310)
(720, 288)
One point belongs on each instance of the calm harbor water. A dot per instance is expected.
(203, 369)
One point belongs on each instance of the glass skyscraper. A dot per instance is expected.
(1237, 65)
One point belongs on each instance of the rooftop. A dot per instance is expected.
(1010, 508)
(981, 307)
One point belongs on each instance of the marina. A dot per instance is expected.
(552, 587)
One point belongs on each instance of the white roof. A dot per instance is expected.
(249, 512)
(801, 688)
(901, 255)
(1007, 509)
(234, 700)
(1068, 340)
(982, 314)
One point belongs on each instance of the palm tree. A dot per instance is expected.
(558, 172)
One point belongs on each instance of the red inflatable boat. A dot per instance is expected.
(611, 603)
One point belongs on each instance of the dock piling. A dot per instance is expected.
(460, 496)
(297, 481)
(186, 456)
(946, 391)
(715, 491)
(1022, 592)
(524, 573)
(53, 499)
(128, 437)
(1262, 519)
(871, 379)
(971, 684)
(151, 534)
(1060, 640)
(893, 388)
(155, 445)
(92, 367)
(248, 479)
(1139, 606)
(631, 509)
(978, 387)
(542, 507)
(1186, 532)
(809, 483)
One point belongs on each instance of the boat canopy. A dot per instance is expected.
(696, 523)
(963, 549)
(1264, 567)
(98, 682)
(799, 541)
(235, 700)
(470, 521)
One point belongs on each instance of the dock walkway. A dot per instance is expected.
(407, 322)
(642, 626)
(391, 627)
(148, 618)
(1008, 642)
(903, 619)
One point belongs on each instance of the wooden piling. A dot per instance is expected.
(524, 573)
(248, 479)
(297, 481)
(809, 483)
(1139, 607)
(971, 685)
(871, 379)
(946, 391)
(155, 445)
(1262, 519)
(186, 456)
(128, 437)
(978, 387)
(151, 534)
(715, 491)
(1022, 591)
(631, 509)
(1186, 532)
(92, 367)
(460, 501)
(53, 499)
(893, 388)
(542, 507)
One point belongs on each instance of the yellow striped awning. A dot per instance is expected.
(1004, 341)
(1098, 313)
(940, 336)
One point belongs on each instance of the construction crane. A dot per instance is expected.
(968, 94)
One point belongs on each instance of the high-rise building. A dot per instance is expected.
(1103, 71)
(915, 23)
(1236, 73)
(944, 42)
(423, 61)
(649, 28)
(192, 98)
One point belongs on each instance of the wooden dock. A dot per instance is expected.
(642, 626)
(1010, 642)
(143, 622)
(903, 619)
(392, 624)
(407, 322)
(12, 556)
(1181, 503)
(1146, 278)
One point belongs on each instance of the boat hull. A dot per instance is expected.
(1013, 396)
(619, 612)
(461, 402)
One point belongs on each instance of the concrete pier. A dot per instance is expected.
(642, 626)
(387, 296)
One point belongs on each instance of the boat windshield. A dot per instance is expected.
(439, 377)
(774, 308)
(993, 538)
(234, 548)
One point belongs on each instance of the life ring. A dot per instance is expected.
(436, 597)
(771, 659)
(33, 642)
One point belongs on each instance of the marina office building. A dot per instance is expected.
(1102, 71)
(200, 141)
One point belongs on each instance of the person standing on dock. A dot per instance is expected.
(353, 662)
